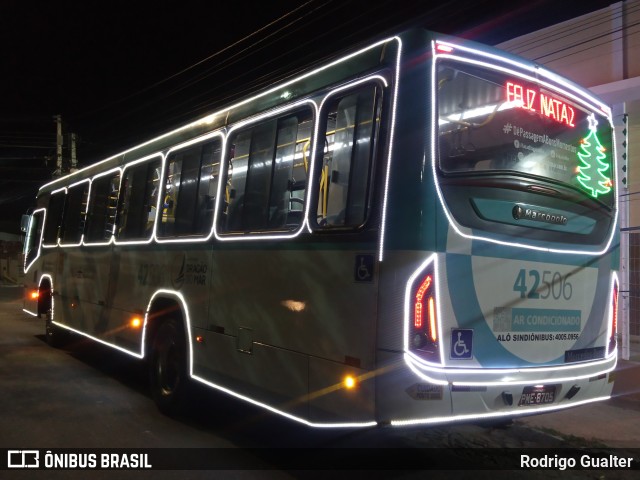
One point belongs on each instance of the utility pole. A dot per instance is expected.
(59, 140)
(74, 159)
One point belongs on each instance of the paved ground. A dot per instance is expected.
(614, 423)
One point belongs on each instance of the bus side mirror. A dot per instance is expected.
(24, 223)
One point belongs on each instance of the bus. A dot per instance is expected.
(420, 230)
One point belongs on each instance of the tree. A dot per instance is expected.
(593, 166)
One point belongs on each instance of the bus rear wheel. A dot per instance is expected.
(168, 369)
(54, 335)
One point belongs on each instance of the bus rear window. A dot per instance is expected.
(490, 122)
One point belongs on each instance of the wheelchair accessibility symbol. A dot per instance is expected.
(461, 344)
(363, 269)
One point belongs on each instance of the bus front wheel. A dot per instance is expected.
(168, 369)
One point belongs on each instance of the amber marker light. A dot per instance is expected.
(349, 382)
(136, 322)
(34, 295)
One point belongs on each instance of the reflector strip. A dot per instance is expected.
(432, 320)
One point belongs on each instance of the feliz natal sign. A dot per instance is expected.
(536, 101)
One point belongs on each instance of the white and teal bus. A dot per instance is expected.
(422, 230)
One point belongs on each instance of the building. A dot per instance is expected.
(601, 51)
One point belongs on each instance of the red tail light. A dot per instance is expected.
(423, 331)
(419, 309)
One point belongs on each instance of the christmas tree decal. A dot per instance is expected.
(592, 166)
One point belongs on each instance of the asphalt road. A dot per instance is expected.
(88, 396)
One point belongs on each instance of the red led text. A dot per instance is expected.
(536, 101)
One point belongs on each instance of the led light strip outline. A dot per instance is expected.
(534, 68)
(258, 235)
(370, 79)
(103, 174)
(86, 180)
(84, 334)
(147, 158)
(381, 242)
(612, 313)
(421, 366)
(44, 216)
(484, 416)
(203, 138)
(207, 119)
(187, 320)
(390, 145)
(44, 225)
(592, 107)
(120, 170)
(165, 293)
(408, 302)
(35, 314)
(434, 135)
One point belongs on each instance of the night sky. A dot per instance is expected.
(121, 72)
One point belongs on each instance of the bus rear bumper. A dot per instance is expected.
(530, 399)
(492, 394)
(485, 377)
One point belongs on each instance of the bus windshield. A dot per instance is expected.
(492, 122)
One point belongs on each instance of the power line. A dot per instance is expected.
(597, 20)
(200, 62)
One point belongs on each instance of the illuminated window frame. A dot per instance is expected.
(567, 90)
(222, 175)
(44, 225)
(208, 119)
(86, 180)
(44, 216)
(102, 174)
(203, 138)
(123, 170)
(372, 79)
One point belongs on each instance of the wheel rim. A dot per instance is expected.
(168, 368)
(48, 326)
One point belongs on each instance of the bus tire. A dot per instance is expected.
(55, 336)
(168, 368)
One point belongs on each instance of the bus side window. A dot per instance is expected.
(75, 214)
(189, 191)
(138, 200)
(32, 240)
(53, 222)
(207, 187)
(101, 213)
(351, 127)
(267, 174)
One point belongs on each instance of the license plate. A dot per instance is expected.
(538, 395)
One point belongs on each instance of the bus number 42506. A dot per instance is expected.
(553, 284)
